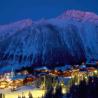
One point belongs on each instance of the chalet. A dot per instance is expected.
(64, 68)
(3, 84)
(29, 80)
(18, 80)
(91, 71)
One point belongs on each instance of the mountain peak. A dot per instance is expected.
(80, 15)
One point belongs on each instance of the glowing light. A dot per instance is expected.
(85, 77)
(62, 84)
(76, 83)
(35, 94)
(72, 76)
(95, 71)
(64, 91)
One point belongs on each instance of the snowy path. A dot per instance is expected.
(37, 93)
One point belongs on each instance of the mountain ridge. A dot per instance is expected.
(56, 41)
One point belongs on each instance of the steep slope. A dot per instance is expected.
(10, 29)
(68, 39)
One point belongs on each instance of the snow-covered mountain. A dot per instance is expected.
(69, 38)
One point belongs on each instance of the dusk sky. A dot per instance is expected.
(14, 10)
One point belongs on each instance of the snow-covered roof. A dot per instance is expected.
(19, 77)
(41, 68)
(63, 68)
(82, 66)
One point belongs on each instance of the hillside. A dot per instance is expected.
(69, 38)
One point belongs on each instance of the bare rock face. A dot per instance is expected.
(68, 39)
